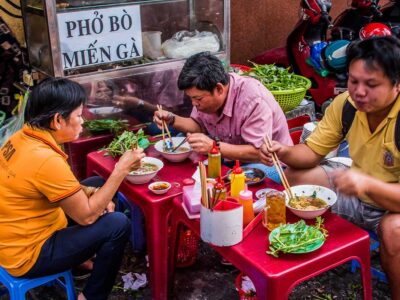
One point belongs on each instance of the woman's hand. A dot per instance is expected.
(130, 160)
(266, 152)
(110, 207)
(200, 143)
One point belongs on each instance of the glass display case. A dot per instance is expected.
(125, 49)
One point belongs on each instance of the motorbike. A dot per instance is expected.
(348, 24)
(390, 15)
(316, 46)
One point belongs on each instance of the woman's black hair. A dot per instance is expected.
(381, 52)
(202, 71)
(51, 96)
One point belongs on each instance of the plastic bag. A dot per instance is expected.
(186, 43)
(14, 123)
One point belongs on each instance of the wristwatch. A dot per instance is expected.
(140, 104)
(171, 119)
(217, 141)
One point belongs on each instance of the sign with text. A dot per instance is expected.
(99, 36)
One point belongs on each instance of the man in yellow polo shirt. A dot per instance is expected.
(368, 192)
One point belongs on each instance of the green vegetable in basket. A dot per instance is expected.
(120, 144)
(276, 78)
(297, 238)
(102, 125)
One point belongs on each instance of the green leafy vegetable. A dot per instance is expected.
(101, 125)
(120, 144)
(297, 237)
(276, 78)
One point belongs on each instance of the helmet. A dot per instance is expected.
(335, 55)
(374, 29)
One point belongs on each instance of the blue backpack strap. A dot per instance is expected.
(348, 114)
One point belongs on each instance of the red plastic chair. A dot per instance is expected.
(274, 278)
(295, 135)
(298, 121)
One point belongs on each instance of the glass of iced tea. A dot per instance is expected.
(274, 213)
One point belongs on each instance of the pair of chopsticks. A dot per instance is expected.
(164, 125)
(180, 144)
(278, 166)
(209, 197)
(203, 182)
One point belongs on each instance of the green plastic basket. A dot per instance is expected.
(290, 99)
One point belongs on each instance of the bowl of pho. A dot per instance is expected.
(179, 154)
(148, 169)
(310, 201)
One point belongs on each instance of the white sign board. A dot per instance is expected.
(91, 37)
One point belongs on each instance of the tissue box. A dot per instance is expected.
(192, 199)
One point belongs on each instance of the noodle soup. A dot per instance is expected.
(148, 169)
(307, 202)
(145, 168)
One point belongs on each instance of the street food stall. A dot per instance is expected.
(124, 49)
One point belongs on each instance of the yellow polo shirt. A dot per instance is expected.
(374, 153)
(34, 177)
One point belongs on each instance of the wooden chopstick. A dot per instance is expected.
(278, 166)
(165, 125)
(203, 183)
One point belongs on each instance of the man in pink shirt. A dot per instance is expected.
(237, 111)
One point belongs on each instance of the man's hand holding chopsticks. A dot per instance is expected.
(162, 115)
(266, 152)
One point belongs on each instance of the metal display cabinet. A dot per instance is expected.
(113, 48)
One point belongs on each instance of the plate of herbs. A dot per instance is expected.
(297, 238)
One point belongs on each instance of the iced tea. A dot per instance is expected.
(275, 212)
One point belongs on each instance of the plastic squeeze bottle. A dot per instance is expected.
(219, 189)
(246, 199)
(237, 178)
(214, 162)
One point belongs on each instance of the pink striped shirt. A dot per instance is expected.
(250, 112)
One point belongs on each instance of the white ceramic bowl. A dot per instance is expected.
(176, 156)
(323, 193)
(145, 177)
(106, 111)
(159, 191)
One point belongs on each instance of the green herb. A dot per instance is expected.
(276, 78)
(120, 144)
(297, 237)
(101, 125)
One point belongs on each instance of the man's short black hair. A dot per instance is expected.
(202, 71)
(51, 96)
(382, 52)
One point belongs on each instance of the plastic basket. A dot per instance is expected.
(187, 248)
(242, 294)
(290, 99)
(287, 99)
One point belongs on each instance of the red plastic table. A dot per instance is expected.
(156, 210)
(274, 278)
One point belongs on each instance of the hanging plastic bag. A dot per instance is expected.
(14, 123)
(186, 43)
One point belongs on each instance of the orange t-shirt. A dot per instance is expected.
(34, 177)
